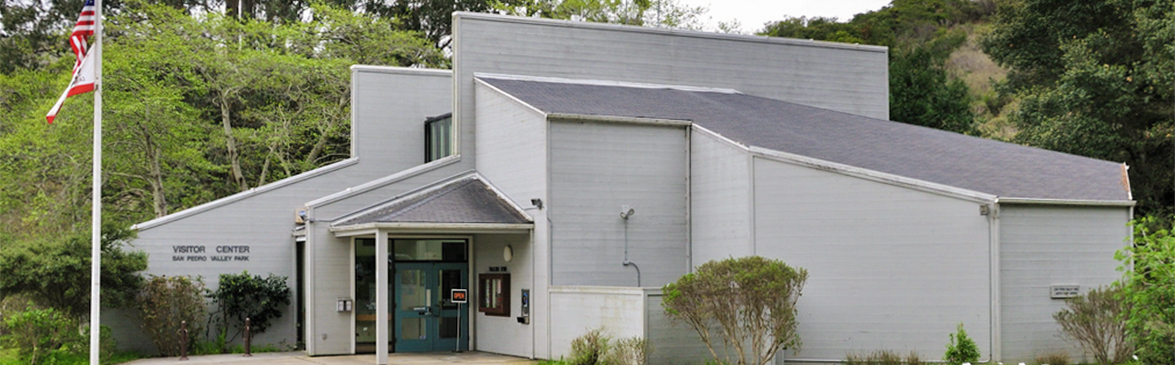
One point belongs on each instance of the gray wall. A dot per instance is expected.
(889, 267)
(391, 104)
(1041, 246)
(721, 195)
(513, 156)
(595, 169)
(843, 77)
(504, 335)
(673, 342)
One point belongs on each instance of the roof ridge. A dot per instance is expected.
(611, 83)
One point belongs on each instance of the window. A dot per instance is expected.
(438, 137)
(494, 294)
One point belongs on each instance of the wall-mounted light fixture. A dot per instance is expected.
(508, 253)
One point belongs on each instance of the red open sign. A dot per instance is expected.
(460, 296)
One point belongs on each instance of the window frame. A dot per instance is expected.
(501, 307)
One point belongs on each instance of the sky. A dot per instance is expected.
(752, 14)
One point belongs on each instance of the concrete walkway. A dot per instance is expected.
(300, 358)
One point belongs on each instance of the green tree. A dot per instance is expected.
(920, 37)
(1148, 286)
(1094, 78)
(55, 271)
(750, 300)
(921, 92)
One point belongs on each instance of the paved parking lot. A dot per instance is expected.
(299, 358)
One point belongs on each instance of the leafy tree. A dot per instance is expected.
(1094, 79)
(751, 300)
(242, 296)
(921, 92)
(55, 271)
(1148, 287)
(35, 333)
(921, 40)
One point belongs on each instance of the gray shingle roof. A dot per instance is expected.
(987, 166)
(465, 200)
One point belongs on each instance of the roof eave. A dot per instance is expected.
(1072, 202)
(422, 227)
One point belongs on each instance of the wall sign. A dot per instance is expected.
(219, 253)
(1064, 291)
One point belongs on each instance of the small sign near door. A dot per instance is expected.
(460, 296)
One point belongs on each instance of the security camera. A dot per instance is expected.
(626, 211)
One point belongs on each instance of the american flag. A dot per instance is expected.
(82, 31)
(84, 74)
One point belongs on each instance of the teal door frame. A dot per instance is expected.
(424, 316)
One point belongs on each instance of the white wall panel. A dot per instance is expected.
(889, 267)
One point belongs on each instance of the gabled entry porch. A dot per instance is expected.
(411, 252)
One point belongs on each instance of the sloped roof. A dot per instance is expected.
(460, 201)
(982, 165)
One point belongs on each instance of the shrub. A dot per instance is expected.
(883, 357)
(1148, 287)
(752, 300)
(961, 349)
(166, 301)
(1094, 322)
(629, 351)
(589, 349)
(241, 296)
(54, 271)
(1056, 359)
(37, 333)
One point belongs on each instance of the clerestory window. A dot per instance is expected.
(438, 137)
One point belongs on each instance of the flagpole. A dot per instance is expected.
(96, 205)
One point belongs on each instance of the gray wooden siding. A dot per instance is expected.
(673, 342)
(595, 169)
(575, 310)
(848, 78)
(390, 111)
(513, 157)
(504, 335)
(1045, 245)
(889, 267)
(388, 108)
(720, 189)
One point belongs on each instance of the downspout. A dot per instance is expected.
(994, 242)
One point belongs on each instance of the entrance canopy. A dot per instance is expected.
(465, 204)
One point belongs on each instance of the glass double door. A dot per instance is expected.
(421, 276)
(426, 317)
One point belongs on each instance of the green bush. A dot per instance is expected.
(1094, 321)
(1148, 286)
(750, 301)
(165, 302)
(961, 349)
(1059, 359)
(37, 334)
(589, 349)
(883, 357)
(241, 296)
(629, 351)
(54, 271)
